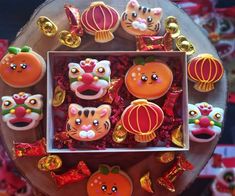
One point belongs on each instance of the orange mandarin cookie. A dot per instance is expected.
(21, 68)
(148, 80)
(109, 181)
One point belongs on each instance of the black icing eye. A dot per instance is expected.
(192, 113)
(154, 77)
(74, 70)
(23, 66)
(114, 189)
(7, 103)
(13, 66)
(149, 19)
(229, 177)
(78, 121)
(95, 122)
(33, 101)
(134, 14)
(101, 70)
(104, 188)
(144, 78)
(224, 26)
(217, 116)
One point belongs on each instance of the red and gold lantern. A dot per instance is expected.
(101, 21)
(142, 118)
(205, 70)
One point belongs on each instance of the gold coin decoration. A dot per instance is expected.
(46, 26)
(59, 96)
(49, 163)
(184, 45)
(119, 133)
(68, 39)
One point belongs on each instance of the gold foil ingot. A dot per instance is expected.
(172, 26)
(59, 96)
(46, 26)
(68, 39)
(146, 183)
(49, 163)
(177, 136)
(165, 157)
(184, 45)
(119, 133)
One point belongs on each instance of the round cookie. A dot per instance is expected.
(109, 181)
(21, 68)
(149, 80)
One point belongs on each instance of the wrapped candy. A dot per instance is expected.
(37, 148)
(174, 172)
(49, 163)
(146, 183)
(73, 175)
(170, 101)
(165, 157)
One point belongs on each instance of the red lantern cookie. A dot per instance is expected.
(101, 21)
(21, 68)
(88, 123)
(109, 181)
(148, 79)
(205, 70)
(142, 118)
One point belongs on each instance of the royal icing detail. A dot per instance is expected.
(148, 79)
(90, 78)
(139, 20)
(88, 123)
(205, 70)
(22, 111)
(205, 122)
(109, 181)
(21, 68)
(101, 21)
(142, 118)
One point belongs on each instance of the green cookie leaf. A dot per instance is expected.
(104, 169)
(139, 61)
(150, 59)
(26, 49)
(115, 170)
(13, 50)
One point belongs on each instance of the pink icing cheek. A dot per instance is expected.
(139, 83)
(159, 80)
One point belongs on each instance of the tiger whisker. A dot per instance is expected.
(130, 20)
(127, 22)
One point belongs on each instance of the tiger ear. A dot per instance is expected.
(104, 111)
(132, 4)
(74, 109)
(157, 12)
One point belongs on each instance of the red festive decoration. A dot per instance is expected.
(142, 118)
(205, 70)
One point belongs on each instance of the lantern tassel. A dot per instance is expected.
(204, 86)
(103, 36)
(145, 138)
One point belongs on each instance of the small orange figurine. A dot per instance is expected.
(21, 68)
(109, 181)
(148, 79)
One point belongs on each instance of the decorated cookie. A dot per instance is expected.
(88, 123)
(205, 70)
(148, 79)
(22, 111)
(90, 79)
(139, 20)
(21, 68)
(205, 122)
(142, 118)
(109, 181)
(101, 21)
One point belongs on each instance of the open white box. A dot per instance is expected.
(178, 57)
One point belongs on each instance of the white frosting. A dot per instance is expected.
(87, 134)
(138, 25)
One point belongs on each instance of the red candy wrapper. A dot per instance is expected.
(170, 101)
(37, 148)
(74, 175)
(175, 172)
(74, 20)
(157, 43)
(3, 47)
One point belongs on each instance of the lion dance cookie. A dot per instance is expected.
(90, 78)
(205, 122)
(22, 111)
(21, 68)
(109, 181)
(88, 123)
(148, 79)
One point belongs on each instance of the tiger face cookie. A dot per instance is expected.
(139, 20)
(88, 123)
(90, 78)
(22, 111)
(21, 68)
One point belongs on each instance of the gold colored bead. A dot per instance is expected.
(79, 78)
(21, 93)
(196, 121)
(12, 111)
(28, 111)
(96, 78)
(212, 123)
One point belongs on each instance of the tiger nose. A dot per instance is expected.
(87, 78)
(141, 20)
(204, 122)
(20, 112)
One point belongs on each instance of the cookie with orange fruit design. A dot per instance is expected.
(109, 181)
(22, 67)
(148, 78)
